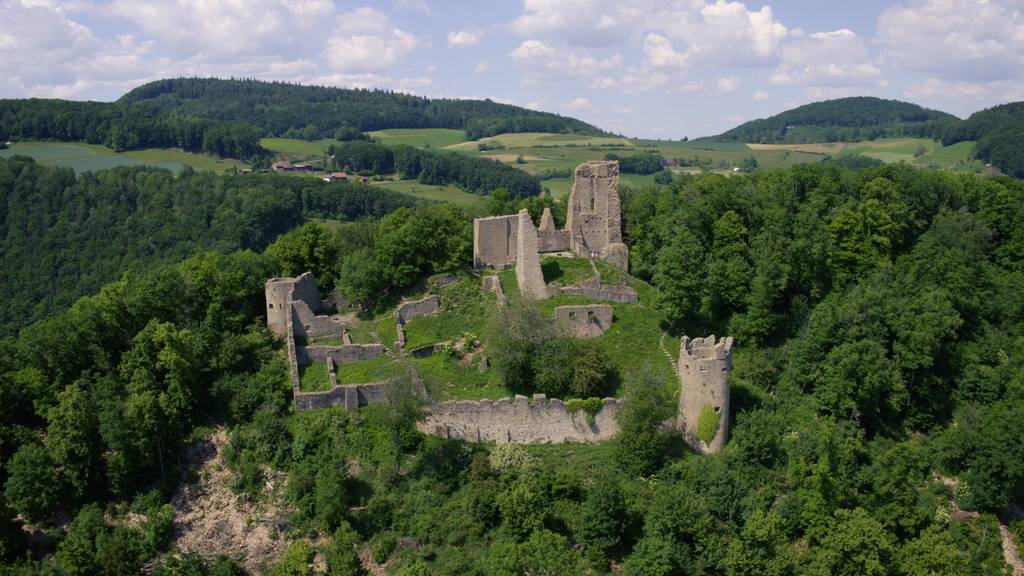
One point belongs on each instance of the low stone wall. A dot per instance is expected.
(351, 396)
(585, 321)
(427, 351)
(519, 420)
(409, 310)
(593, 288)
(312, 325)
(340, 354)
(494, 283)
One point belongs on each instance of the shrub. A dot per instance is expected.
(707, 424)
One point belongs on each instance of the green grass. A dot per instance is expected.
(528, 139)
(92, 157)
(366, 371)
(452, 194)
(890, 150)
(447, 379)
(420, 137)
(954, 157)
(632, 341)
(291, 146)
(383, 323)
(314, 377)
(464, 308)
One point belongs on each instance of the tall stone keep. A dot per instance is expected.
(704, 365)
(528, 273)
(594, 221)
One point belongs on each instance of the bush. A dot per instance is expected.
(707, 424)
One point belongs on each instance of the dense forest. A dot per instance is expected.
(63, 236)
(878, 398)
(476, 175)
(123, 127)
(277, 107)
(999, 132)
(841, 120)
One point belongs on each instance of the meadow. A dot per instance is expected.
(92, 157)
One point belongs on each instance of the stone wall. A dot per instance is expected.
(585, 321)
(518, 420)
(594, 218)
(529, 275)
(307, 323)
(493, 282)
(406, 311)
(704, 365)
(494, 241)
(593, 227)
(351, 396)
(278, 292)
(594, 288)
(340, 354)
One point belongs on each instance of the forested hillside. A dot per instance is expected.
(841, 120)
(63, 236)
(310, 112)
(999, 132)
(877, 397)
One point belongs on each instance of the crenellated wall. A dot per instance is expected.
(519, 420)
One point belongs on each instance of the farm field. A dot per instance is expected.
(91, 157)
(420, 137)
(292, 146)
(452, 194)
(542, 139)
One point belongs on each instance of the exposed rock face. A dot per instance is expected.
(528, 273)
(704, 365)
(586, 321)
(594, 221)
(593, 227)
(519, 421)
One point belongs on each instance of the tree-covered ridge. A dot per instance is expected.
(63, 236)
(999, 132)
(277, 107)
(841, 120)
(124, 127)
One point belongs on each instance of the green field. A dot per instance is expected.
(92, 157)
(541, 139)
(293, 147)
(420, 137)
(452, 193)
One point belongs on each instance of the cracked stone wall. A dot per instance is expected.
(494, 241)
(594, 218)
(519, 420)
(585, 321)
(528, 272)
(406, 311)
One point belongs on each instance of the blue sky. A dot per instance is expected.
(648, 68)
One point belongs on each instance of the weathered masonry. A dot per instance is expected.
(293, 307)
(704, 365)
(593, 228)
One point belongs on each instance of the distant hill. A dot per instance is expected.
(298, 111)
(999, 133)
(842, 120)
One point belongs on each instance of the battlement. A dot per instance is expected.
(706, 348)
(598, 169)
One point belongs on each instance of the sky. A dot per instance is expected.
(641, 68)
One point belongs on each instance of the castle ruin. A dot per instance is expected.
(593, 227)
(703, 417)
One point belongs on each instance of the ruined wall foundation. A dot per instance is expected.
(585, 321)
(519, 420)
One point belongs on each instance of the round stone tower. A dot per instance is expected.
(704, 365)
(279, 296)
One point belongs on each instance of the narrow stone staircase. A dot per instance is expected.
(671, 359)
(387, 350)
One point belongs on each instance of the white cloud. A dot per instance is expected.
(464, 38)
(727, 84)
(837, 58)
(661, 54)
(580, 104)
(760, 95)
(984, 93)
(976, 40)
(546, 61)
(366, 40)
(417, 5)
(482, 66)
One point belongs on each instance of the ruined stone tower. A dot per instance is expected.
(528, 273)
(594, 222)
(703, 419)
(299, 298)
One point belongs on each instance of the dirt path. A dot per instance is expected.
(1010, 552)
(212, 520)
